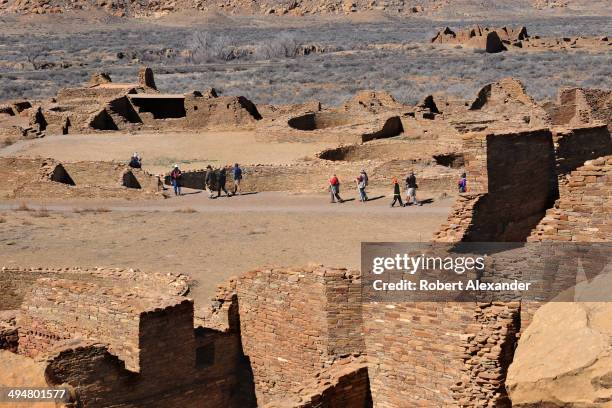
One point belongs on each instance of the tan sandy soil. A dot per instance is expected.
(20, 371)
(210, 240)
(162, 150)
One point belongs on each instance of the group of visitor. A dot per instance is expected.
(216, 179)
(411, 187)
(214, 182)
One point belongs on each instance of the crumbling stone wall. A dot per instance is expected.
(576, 145)
(511, 183)
(344, 384)
(579, 106)
(444, 354)
(123, 338)
(294, 323)
(25, 177)
(582, 212)
(508, 101)
(51, 312)
(204, 111)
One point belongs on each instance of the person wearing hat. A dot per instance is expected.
(362, 182)
(221, 179)
(411, 187)
(397, 194)
(210, 181)
(135, 161)
(175, 177)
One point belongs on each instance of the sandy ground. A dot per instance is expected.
(162, 150)
(21, 371)
(210, 240)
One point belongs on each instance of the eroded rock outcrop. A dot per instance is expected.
(564, 358)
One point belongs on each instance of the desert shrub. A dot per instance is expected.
(207, 47)
(283, 45)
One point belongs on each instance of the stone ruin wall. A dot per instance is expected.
(289, 337)
(506, 184)
(463, 349)
(574, 146)
(583, 212)
(48, 178)
(294, 323)
(130, 345)
(313, 177)
(344, 384)
(439, 354)
(507, 193)
(580, 106)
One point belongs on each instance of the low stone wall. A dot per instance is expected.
(312, 177)
(47, 178)
(344, 384)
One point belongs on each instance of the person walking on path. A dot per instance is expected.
(221, 179)
(210, 181)
(411, 187)
(334, 189)
(362, 182)
(462, 184)
(397, 194)
(175, 177)
(237, 175)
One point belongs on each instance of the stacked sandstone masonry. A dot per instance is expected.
(280, 337)
(580, 106)
(437, 353)
(294, 323)
(120, 337)
(512, 182)
(583, 211)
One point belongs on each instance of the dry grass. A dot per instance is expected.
(23, 207)
(7, 142)
(187, 210)
(42, 212)
(98, 210)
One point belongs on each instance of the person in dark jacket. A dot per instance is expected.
(411, 187)
(221, 179)
(397, 194)
(135, 161)
(210, 181)
(237, 175)
(175, 177)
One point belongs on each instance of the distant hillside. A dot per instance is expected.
(429, 8)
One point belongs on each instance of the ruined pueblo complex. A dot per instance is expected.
(126, 295)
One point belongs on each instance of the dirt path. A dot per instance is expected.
(198, 201)
(210, 240)
(193, 150)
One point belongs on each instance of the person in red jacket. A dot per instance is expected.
(334, 189)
